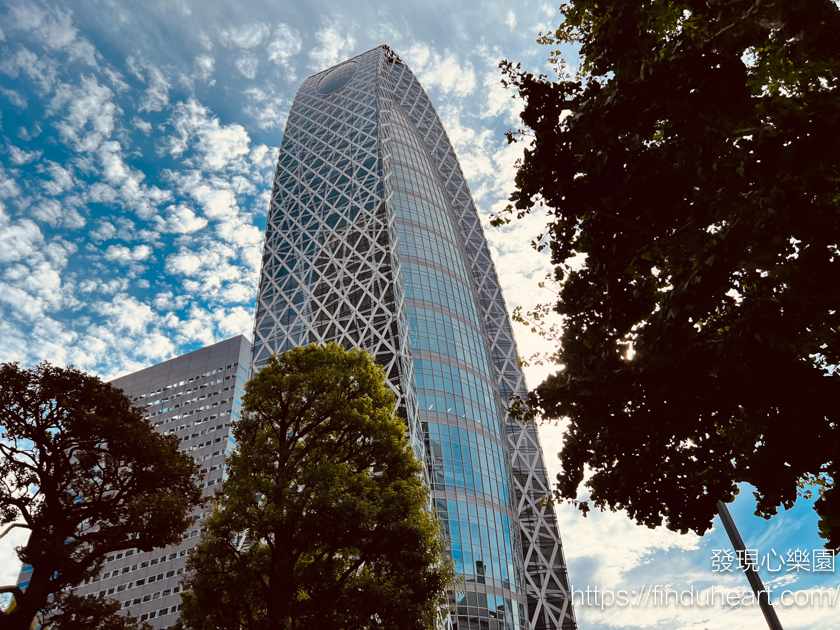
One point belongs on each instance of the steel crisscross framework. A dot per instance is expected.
(367, 184)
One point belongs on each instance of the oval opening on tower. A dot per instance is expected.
(337, 78)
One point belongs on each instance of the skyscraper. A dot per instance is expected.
(196, 397)
(373, 240)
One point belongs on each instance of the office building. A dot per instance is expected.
(373, 240)
(196, 397)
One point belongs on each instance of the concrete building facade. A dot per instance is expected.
(196, 397)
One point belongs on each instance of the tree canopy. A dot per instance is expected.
(322, 520)
(691, 162)
(87, 475)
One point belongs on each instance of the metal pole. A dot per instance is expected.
(752, 573)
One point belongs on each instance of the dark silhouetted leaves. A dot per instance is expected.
(693, 163)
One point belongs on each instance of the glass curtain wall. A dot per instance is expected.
(459, 407)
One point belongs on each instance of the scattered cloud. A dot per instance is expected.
(123, 184)
(217, 145)
(126, 313)
(52, 211)
(105, 231)
(143, 125)
(444, 72)
(266, 107)
(61, 179)
(20, 157)
(156, 96)
(244, 36)
(18, 239)
(205, 65)
(90, 116)
(125, 255)
(285, 45)
(15, 98)
(510, 18)
(334, 45)
(247, 64)
(180, 220)
(41, 71)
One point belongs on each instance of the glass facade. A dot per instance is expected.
(365, 246)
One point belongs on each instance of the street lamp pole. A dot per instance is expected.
(749, 568)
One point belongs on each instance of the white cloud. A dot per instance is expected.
(130, 191)
(112, 287)
(53, 212)
(157, 346)
(244, 36)
(90, 113)
(442, 71)
(101, 193)
(205, 40)
(143, 125)
(20, 157)
(247, 64)
(223, 265)
(31, 285)
(124, 255)
(205, 66)
(168, 301)
(26, 134)
(510, 18)
(268, 108)
(283, 47)
(217, 145)
(116, 79)
(54, 29)
(114, 169)
(473, 145)
(213, 271)
(184, 263)
(157, 94)
(104, 232)
(262, 155)
(19, 239)
(8, 186)
(498, 100)
(87, 286)
(333, 46)
(126, 313)
(180, 220)
(41, 71)
(237, 321)
(61, 180)
(15, 98)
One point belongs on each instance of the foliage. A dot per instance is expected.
(92, 613)
(690, 163)
(322, 521)
(87, 475)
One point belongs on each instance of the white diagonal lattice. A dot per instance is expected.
(328, 261)
(332, 272)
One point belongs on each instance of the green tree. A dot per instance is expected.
(692, 163)
(323, 520)
(87, 476)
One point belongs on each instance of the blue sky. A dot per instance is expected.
(139, 140)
